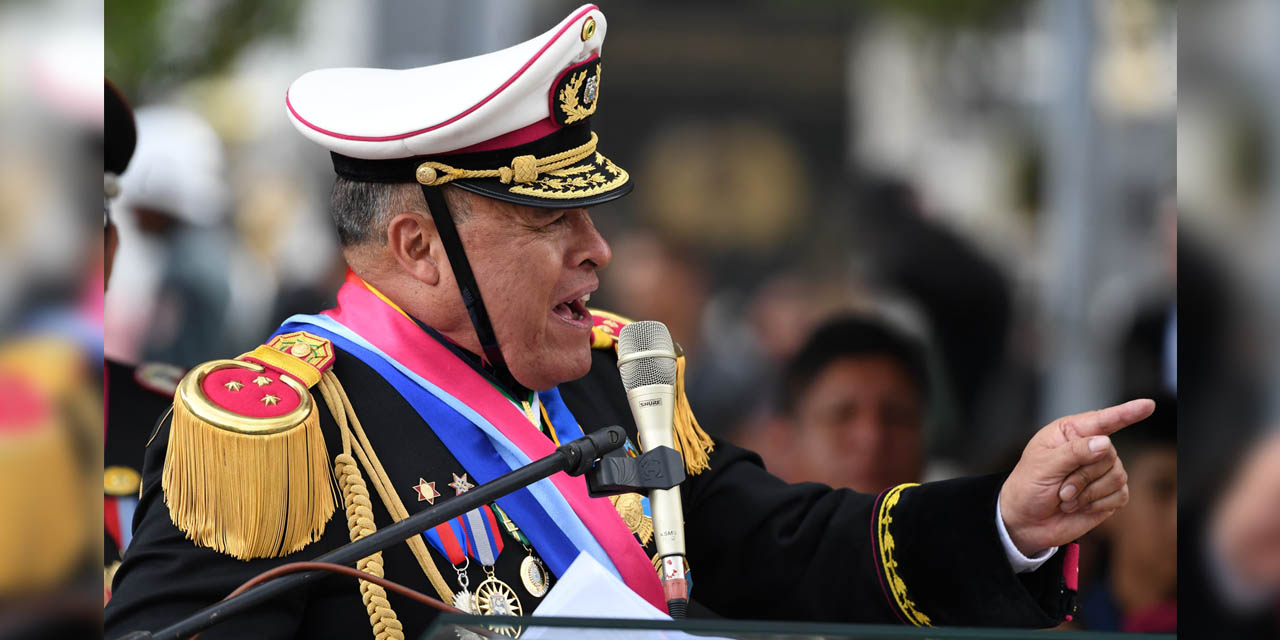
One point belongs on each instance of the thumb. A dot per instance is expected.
(1080, 452)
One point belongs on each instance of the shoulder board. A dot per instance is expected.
(604, 335)
(159, 377)
(246, 471)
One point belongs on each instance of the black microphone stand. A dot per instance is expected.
(575, 458)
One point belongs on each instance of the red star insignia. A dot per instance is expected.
(460, 484)
(426, 491)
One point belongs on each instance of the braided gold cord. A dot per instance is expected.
(386, 625)
(523, 169)
(349, 425)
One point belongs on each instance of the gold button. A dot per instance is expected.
(120, 481)
(300, 350)
(426, 175)
(588, 29)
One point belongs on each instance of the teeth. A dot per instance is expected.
(585, 298)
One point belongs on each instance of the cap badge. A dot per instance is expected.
(576, 93)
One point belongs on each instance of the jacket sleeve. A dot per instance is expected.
(918, 554)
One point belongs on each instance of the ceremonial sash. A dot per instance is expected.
(486, 432)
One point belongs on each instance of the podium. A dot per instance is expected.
(461, 627)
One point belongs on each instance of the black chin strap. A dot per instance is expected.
(468, 288)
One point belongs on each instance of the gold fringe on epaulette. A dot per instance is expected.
(691, 441)
(248, 495)
(42, 535)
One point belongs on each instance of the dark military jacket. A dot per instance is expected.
(759, 548)
(135, 398)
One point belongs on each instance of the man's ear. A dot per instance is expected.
(413, 241)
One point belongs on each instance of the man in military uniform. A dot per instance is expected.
(475, 176)
(135, 396)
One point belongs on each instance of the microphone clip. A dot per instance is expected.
(617, 472)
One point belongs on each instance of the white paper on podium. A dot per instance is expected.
(588, 590)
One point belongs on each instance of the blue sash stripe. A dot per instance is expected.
(542, 513)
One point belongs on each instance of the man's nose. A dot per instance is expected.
(591, 247)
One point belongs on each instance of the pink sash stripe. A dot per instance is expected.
(381, 323)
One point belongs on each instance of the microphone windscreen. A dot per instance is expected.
(638, 337)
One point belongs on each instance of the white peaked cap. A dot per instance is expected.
(512, 124)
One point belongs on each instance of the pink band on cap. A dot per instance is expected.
(535, 131)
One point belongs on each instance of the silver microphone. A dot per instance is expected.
(647, 362)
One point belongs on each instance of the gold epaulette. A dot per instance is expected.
(246, 472)
(43, 533)
(691, 441)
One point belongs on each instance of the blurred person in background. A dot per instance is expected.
(855, 400)
(1233, 558)
(1136, 586)
(135, 396)
(964, 295)
(173, 280)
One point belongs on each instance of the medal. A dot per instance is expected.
(633, 508)
(484, 543)
(533, 574)
(447, 539)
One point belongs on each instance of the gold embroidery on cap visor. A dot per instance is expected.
(598, 175)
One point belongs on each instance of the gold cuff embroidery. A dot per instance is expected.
(899, 588)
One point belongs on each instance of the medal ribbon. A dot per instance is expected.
(509, 525)
(446, 538)
(484, 542)
(487, 433)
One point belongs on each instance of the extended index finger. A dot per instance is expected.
(1112, 419)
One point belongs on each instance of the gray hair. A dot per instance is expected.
(362, 210)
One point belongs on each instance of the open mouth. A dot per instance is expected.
(574, 311)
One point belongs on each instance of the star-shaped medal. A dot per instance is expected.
(460, 484)
(426, 491)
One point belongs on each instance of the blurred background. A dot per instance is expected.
(909, 233)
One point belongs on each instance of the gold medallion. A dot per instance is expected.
(534, 576)
(497, 598)
(631, 508)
